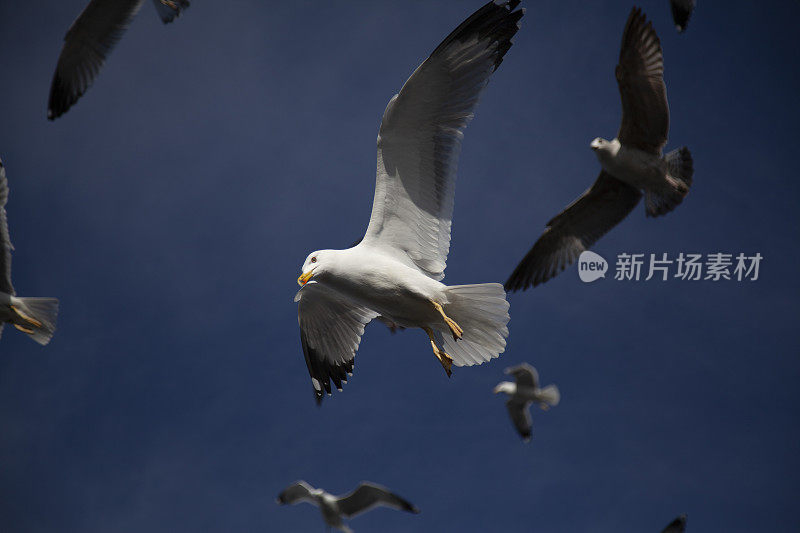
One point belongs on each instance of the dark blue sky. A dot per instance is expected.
(171, 209)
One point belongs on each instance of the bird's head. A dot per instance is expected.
(316, 264)
(505, 386)
(598, 144)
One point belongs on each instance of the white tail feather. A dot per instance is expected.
(482, 312)
(550, 395)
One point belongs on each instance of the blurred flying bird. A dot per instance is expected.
(89, 41)
(522, 393)
(681, 11)
(395, 271)
(334, 508)
(631, 162)
(34, 316)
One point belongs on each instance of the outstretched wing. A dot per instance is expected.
(521, 417)
(604, 205)
(5, 240)
(369, 495)
(640, 76)
(168, 10)
(525, 375)
(330, 332)
(681, 11)
(296, 492)
(89, 40)
(420, 139)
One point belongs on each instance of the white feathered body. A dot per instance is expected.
(387, 286)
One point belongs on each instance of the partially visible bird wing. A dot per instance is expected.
(296, 492)
(420, 139)
(604, 205)
(681, 11)
(5, 240)
(525, 375)
(521, 417)
(368, 495)
(676, 526)
(330, 332)
(168, 10)
(87, 44)
(640, 76)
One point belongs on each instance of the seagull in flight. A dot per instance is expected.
(395, 271)
(632, 162)
(89, 41)
(334, 508)
(34, 316)
(522, 393)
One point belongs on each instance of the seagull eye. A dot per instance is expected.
(313, 259)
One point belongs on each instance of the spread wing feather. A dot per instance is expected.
(520, 417)
(330, 332)
(525, 375)
(640, 76)
(368, 495)
(5, 240)
(604, 205)
(87, 44)
(420, 139)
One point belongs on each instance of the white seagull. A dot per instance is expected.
(34, 316)
(631, 162)
(396, 270)
(89, 41)
(676, 526)
(522, 393)
(334, 508)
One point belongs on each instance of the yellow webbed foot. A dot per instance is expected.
(455, 329)
(30, 320)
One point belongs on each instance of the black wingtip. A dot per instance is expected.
(497, 20)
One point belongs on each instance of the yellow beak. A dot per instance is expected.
(303, 279)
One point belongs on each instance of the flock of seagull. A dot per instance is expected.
(394, 273)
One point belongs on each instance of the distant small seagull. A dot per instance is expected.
(524, 392)
(89, 41)
(681, 11)
(632, 162)
(34, 316)
(396, 270)
(676, 526)
(335, 508)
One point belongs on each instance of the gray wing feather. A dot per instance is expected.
(604, 205)
(168, 10)
(296, 492)
(521, 417)
(640, 76)
(330, 332)
(525, 375)
(5, 240)
(368, 495)
(420, 139)
(87, 44)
